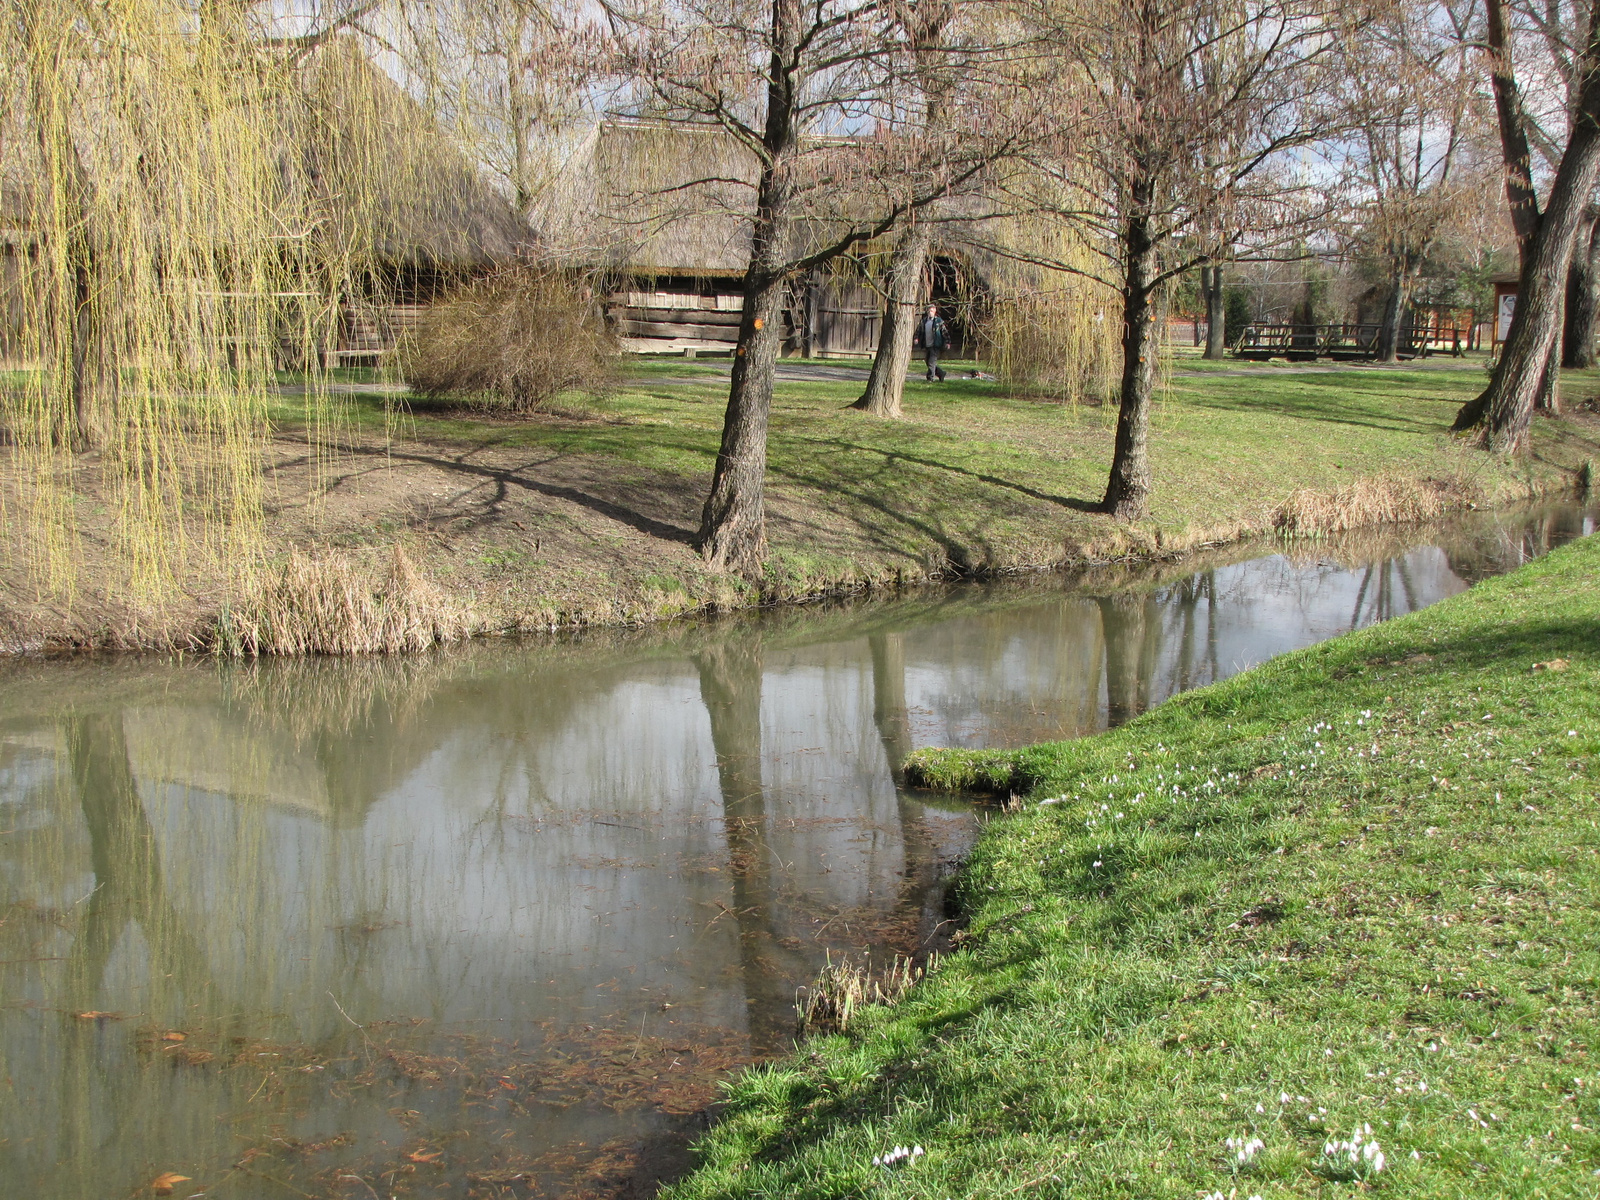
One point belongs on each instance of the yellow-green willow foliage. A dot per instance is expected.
(1052, 332)
(193, 189)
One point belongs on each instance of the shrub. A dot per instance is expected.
(1235, 314)
(512, 341)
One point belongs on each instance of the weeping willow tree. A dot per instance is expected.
(1053, 329)
(199, 190)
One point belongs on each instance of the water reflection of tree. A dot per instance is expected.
(129, 883)
(129, 889)
(1197, 650)
(889, 712)
(1134, 631)
(917, 913)
(730, 689)
(1377, 595)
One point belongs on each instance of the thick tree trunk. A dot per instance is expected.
(1530, 382)
(1583, 298)
(1393, 310)
(903, 293)
(1527, 365)
(733, 533)
(733, 523)
(1216, 312)
(1128, 490)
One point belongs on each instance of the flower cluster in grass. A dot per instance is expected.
(1242, 1151)
(900, 1154)
(1357, 1157)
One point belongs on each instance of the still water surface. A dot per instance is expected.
(495, 922)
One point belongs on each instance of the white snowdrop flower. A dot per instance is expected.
(1283, 1097)
(1259, 1109)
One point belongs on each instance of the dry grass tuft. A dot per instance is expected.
(1382, 500)
(842, 989)
(329, 605)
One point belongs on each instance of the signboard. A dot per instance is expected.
(1505, 309)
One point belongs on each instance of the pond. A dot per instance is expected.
(497, 921)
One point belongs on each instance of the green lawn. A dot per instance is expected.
(1354, 888)
(983, 480)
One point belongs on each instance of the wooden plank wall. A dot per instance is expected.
(672, 316)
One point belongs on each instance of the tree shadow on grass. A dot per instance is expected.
(507, 479)
(1087, 506)
(1332, 399)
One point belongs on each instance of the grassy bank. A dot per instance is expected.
(587, 514)
(1355, 888)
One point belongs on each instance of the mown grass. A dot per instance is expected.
(978, 479)
(1357, 886)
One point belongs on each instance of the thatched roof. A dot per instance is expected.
(364, 165)
(652, 198)
(395, 186)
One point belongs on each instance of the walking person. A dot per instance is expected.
(934, 336)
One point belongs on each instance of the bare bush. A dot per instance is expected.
(512, 341)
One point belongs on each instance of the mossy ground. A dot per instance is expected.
(1357, 886)
(588, 513)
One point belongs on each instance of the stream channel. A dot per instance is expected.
(496, 921)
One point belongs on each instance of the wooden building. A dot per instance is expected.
(673, 209)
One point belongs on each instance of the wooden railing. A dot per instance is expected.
(1352, 342)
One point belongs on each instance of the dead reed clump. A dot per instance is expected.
(842, 989)
(512, 342)
(1380, 500)
(330, 605)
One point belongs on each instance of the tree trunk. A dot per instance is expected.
(1393, 309)
(1530, 383)
(1583, 299)
(1527, 364)
(903, 291)
(1128, 490)
(733, 534)
(733, 524)
(1216, 312)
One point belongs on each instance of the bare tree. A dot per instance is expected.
(902, 284)
(1411, 90)
(1213, 297)
(809, 91)
(505, 77)
(1527, 366)
(1186, 112)
(1582, 326)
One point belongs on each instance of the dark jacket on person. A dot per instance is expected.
(936, 338)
